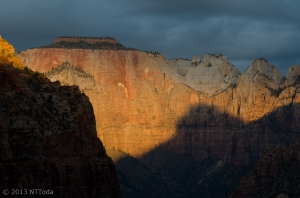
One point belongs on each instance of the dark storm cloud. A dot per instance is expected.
(242, 30)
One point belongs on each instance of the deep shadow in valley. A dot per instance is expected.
(208, 155)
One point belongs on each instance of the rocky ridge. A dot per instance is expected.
(90, 40)
(48, 141)
(74, 42)
(68, 75)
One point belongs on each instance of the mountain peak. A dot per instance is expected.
(261, 68)
(210, 75)
(293, 74)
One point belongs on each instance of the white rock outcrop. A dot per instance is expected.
(261, 71)
(210, 75)
(292, 74)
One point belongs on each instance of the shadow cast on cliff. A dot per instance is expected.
(208, 154)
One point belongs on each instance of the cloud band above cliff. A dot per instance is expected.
(241, 30)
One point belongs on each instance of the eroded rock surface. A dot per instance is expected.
(262, 72)
(210, 75)
(292, 75)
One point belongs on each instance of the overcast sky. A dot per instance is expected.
(242, 30)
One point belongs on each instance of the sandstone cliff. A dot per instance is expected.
(49, 139)
(144, 96)
(129, 79)
(202, 108)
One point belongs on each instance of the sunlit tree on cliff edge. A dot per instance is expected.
(7, 55)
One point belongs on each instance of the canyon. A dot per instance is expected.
(201, 110)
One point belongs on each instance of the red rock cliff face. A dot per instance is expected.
(134, 96)
(146, 100)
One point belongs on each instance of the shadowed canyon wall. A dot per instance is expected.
(49, 139)
(277, 174)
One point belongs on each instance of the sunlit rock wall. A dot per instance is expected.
(203, 107)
